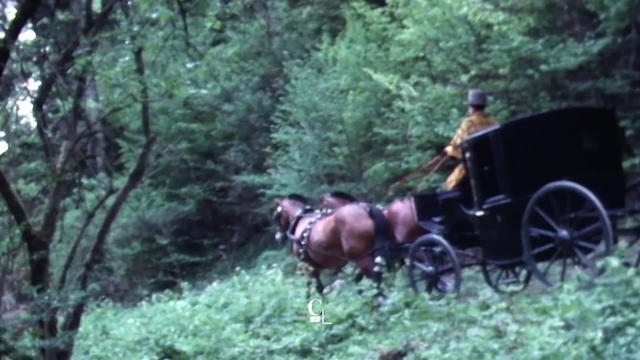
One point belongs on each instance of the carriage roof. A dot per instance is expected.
(516, 158)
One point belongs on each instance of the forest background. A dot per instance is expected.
(147, 139)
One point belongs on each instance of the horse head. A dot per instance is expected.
(329, 239)
(336, 199)
(286, 210)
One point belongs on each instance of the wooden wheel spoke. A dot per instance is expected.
(512, 276)
(586, 245)
(430, 284)
(586, 262)
(551, 261)
(445, 270)
(543, 248)
(535, 232)
(442, 285)
(514, 273)
(422, 267)
(588, 230)
(499, 276)
(517, 273)
(547, 218)
(430, 258)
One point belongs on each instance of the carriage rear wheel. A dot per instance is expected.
(565, 233)
(433, 266)
(507, 278)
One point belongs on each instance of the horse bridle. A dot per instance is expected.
(277, 218)
(289, 231)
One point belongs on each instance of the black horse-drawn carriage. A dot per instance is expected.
(544, 196)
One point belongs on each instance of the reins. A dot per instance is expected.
(433, 165)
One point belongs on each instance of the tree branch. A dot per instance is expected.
(83, 229)
(88, 15)
(138, 54)
(35, 245)
(185, 25)
(63, 62)
(26, 10)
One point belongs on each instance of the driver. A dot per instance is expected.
(476, 121)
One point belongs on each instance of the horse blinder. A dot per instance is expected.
(277, 218)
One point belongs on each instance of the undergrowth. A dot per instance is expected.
(261, 313)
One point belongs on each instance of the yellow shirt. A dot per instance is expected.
(471, 125)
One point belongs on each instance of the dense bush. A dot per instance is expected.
(260, 313)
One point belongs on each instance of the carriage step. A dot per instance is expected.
(432, 226)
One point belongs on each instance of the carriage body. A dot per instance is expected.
(507, 164)
(515, 159)
(572, 153)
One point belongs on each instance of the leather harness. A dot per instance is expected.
(303, 239)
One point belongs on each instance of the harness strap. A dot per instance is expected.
(304, 243)
(296, 219)
(303, 239)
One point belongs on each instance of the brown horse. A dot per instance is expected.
(328, 239)
(336, 199)
(400, 213)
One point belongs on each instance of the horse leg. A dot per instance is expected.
(319, 286)
(359, 276)
(377, 279)
(374, 272)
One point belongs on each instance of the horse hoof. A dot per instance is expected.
(380, 298)
(335, 286)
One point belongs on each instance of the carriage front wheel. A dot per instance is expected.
(565, 233)
(433, 266)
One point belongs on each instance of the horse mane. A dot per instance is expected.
(343, 195)
(298, 197)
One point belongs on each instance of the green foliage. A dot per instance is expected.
(261, 313)
(377, 101)
(213, 126)
(254, 99)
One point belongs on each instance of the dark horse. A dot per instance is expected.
(329, 239)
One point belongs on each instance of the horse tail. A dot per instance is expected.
(383, 235)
